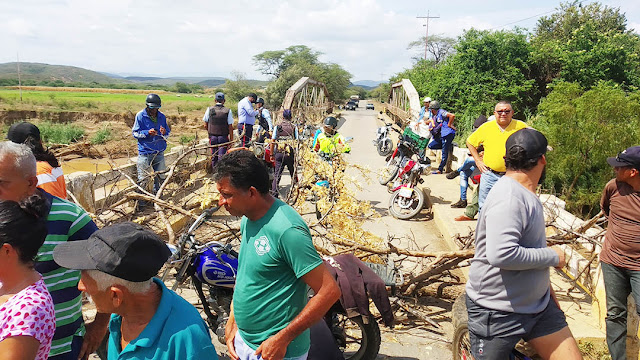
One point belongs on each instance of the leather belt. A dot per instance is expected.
(499, 173)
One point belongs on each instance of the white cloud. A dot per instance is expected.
(205, 38)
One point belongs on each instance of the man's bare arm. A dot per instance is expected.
(476, 156)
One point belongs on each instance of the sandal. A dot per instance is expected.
(436, 172)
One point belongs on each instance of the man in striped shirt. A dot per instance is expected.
(65, 222)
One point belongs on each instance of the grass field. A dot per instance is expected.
(69, 99)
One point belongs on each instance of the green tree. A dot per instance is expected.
(238, 88)
(438, 48)
(276, 62)
(586, 44)
(584, 128)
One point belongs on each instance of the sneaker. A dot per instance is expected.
(460, 204)
(452, 175)
(436, 172)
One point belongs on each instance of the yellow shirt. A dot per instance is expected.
(494, 139)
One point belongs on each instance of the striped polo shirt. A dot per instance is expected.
(66, 222)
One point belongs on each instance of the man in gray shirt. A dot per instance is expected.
(509, 294)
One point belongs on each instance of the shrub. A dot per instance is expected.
(101, 136)
(60, 133)
(186, 139)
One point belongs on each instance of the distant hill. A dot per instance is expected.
(70, 74)
(367, 84)
(46, 72)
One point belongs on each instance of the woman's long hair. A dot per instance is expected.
(40, 152)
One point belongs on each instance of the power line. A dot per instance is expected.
(531, 17)
(426, 38)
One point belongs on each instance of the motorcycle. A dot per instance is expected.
(407, 200)
(409, 144)
(213, 267)
(383, 142)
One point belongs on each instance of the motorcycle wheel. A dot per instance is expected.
(461, 344)
(362, 340)
(406, 208)
(385, 147)
(389, 172)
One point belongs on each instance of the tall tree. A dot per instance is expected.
(438, 48)
(275, 62)
(586, 44)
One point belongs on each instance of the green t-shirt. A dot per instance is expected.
(276, 251)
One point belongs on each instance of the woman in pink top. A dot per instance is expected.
(27, 318)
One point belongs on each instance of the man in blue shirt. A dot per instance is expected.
(424, 110)
(148, 320)
(247, 117)
(443, 132)
(150, 129)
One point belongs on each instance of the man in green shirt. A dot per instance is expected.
(270, 315)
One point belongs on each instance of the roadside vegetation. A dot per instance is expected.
(60, 133)
(576, 77)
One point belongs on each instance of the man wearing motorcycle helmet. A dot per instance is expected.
(441, 122)
(330, 141)
(150, 129)
(265, 124)
(270, 313)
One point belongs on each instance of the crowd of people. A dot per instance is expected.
(51, 250)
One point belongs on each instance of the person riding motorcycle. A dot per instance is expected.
(330, 142)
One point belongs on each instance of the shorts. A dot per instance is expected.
(493, 333)
(247, 353)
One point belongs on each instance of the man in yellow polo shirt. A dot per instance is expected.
(493, 136)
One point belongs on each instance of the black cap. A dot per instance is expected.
(19, 132)
(530, 140)
(629, 157)
(125, 250)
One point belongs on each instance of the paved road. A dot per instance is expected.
(409, 343)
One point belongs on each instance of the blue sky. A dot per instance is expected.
(214, 38)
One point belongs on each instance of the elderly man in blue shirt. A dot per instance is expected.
(150, 129)
(247, 117)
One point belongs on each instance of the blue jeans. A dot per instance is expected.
(618, 284)
(444, 143)
(465, 170)
(487, 180)
(145, 163)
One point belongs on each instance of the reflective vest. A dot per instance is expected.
(332, 144)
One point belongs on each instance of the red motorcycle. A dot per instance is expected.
(407, 199)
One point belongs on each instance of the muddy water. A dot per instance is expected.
(92, 165)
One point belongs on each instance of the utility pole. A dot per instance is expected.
(19, 80)
(426, 38)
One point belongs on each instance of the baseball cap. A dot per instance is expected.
(125, 250)
(530, 140)
(286, 114)
(19, 132)
(628, 157)
(427, 99)
(219, 96)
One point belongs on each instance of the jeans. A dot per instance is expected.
(282, 160)
(220, 150)
(465, 171)
(444, 143)
(247, 136)
(487, 180)
(618, 284)
(145, 163)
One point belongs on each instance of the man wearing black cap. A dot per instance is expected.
(218, 120)
(509, 295)
(149, 321)
(247, 117)
(620, 255)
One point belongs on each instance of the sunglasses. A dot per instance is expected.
(503, 111)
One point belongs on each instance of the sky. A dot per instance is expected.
(165, 38)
